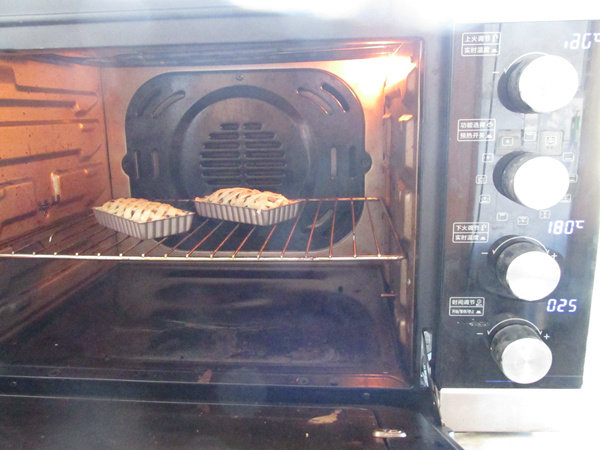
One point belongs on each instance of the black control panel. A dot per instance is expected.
(522, 206)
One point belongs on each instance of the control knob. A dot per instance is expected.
(538, 84)
(525, 267)
(520, 353)
(535, 181)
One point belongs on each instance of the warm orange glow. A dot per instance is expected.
(405, 117)
(397, 69)
(369, 77)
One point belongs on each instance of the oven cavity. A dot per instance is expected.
(324, 299)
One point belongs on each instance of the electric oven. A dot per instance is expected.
(443, 250)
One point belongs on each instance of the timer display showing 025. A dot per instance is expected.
(560, 227)
(561, 305)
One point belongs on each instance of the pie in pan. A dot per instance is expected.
(246, 205)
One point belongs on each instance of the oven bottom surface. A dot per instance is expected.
(325, 327)
(94, 424)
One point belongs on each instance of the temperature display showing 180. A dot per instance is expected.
(559, 227)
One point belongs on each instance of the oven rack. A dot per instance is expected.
(83, 238)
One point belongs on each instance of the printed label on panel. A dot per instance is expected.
(466, 306)
(486, 43)
(470, 130)
(470, 232)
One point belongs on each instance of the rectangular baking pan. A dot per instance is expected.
(251, 216)
(145, 230)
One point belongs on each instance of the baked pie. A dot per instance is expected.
(141, 210)
(245, 197)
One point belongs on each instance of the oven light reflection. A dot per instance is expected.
(397, 68)
(370, 77)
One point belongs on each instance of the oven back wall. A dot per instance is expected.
(365, 77)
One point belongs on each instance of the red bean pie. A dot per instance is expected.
(245, 197)
(141, 210)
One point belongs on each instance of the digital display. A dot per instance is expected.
(561, 305)
(566, 227)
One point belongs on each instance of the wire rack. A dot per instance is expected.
(83, 238)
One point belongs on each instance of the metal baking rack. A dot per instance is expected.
(83, 238)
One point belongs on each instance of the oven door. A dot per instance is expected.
(162, 355)
(155, 356)
(86, 423)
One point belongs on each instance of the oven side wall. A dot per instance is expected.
(53, 154)
(53, 166)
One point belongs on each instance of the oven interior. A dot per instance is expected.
(266, 326)
(325, 299)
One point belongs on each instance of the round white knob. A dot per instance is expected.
(539, 83)
(527, 270)
(538, 182)
(521, 354)
(548, 83)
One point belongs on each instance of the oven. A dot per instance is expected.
(441, 257)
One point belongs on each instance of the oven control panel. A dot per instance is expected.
(521, 207)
